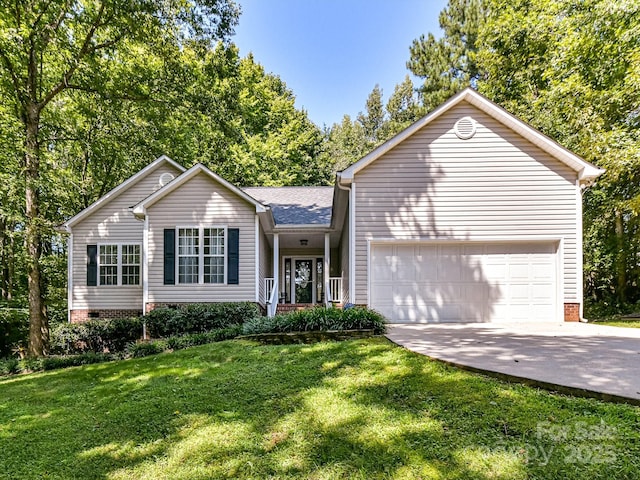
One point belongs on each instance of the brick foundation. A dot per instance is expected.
(571, 312)
(80, 316)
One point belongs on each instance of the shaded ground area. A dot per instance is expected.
(596, 358)
(363, 409)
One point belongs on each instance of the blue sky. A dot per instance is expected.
(331, 53)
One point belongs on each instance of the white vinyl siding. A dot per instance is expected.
(494, 185)
(111, 224)
(201, 203)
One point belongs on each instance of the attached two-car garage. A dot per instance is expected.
(464, 281)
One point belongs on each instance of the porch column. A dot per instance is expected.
(276, 264)
(327, 263)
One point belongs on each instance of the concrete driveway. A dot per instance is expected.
(575, 358)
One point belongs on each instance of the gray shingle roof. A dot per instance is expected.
(296, 205)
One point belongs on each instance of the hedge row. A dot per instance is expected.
(12, 366)
(318, 319)
(103, 340)
(198, 318)
(97, 336)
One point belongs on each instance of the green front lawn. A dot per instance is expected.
(358, 409)
(617, 322)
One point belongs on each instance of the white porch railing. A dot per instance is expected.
(334, 294)
(271, 291)
(268, 288)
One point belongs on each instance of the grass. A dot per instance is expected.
(617, 321)
(359, 409)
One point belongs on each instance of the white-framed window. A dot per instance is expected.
(108, 262)
(188, 255)
(201, 254)
(213, 255)
(119, 264)
(130, 264)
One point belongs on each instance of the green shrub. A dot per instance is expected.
(9, 366)
(318, 319)
(144, 349)
(56, 362)
(14, 330)
(198, 318)
(96, 336)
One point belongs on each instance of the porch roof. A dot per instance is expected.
(296, 205)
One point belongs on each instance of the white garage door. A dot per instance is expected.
(464, 282)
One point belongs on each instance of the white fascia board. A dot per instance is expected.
(309, 228)
(120, 189)
(586, 170)
(140, 209)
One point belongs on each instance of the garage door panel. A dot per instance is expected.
(464, 282)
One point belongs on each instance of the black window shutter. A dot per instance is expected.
(233, 257)
(92, 265)
(169, 256)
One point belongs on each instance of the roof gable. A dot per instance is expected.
(139, 210)
(124, 186)
(586, 171)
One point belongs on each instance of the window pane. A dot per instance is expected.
(131, 265)
(188, 241)
(108, 264)
(214, 270)
(188, 270)
(213, 255)
(188, 251)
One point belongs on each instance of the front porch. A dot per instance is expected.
(305, 271)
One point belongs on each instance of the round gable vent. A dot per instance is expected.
(465, 128)
(165, 178)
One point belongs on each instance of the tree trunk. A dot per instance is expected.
(4, 269)
(38, 323)
(621, 260)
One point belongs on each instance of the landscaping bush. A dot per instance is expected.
(9, 366)
(193, 339)
(198, 318)
(318, 319)
(55, 362)
(144, 349)
(96, 336)
(14, 330)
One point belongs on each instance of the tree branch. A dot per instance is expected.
(110, 96)
(14, 77)
(84, 50)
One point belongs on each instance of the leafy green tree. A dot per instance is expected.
(572, 70)
(403, 107)
(374, 118)
(345, 143)
(449, 64)
(48, 48)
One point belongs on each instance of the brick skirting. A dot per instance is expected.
(571, 312)
(82, 315)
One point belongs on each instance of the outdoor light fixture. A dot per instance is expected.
(304, 242)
